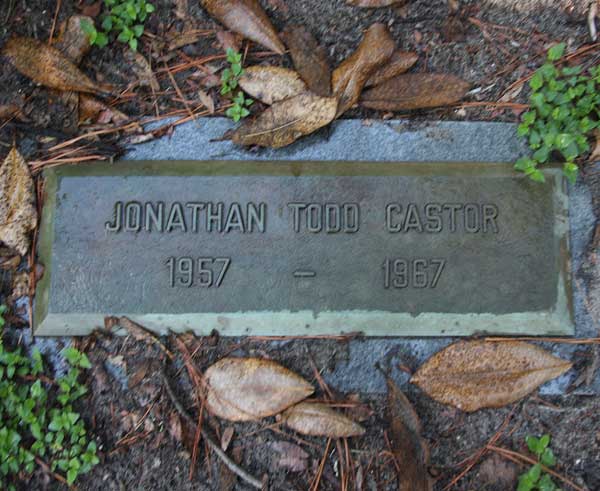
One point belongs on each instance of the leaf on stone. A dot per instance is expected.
(350, 77)
(270, 84)
(399, 62)
(310, 59)
(286, 121)
(72, 41)
(245, 389)
(371, 4)
(415, 91)
(410, 450)
(320, 420)
(18, 214)
(477, 374)
(248, 18)
(47, 66)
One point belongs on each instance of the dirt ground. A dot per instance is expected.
(503, 42)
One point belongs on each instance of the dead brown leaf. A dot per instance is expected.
(595, 155)
(46, 65)
(270, 84)
(415, 91)
(286, 121)
(72, 41)
(476, 374)
(372, 4)
(175, 427)
(8, 111)
(143, 70)
(181, 39)
(207, 101)
(350, 77)
(320, 420)
(228, 39)
(181, 9)
(310, 59)
(18, 214)
(410, 451)
(226, 438)
(291, 456)
(92, 10)
(92, 110)
(248, 18)
(399, 62)
(244, 389)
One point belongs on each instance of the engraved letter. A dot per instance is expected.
(351, 217)
(256, 216)
(195, 207)
(412, 220)
(235, 220)
(296, 207)
(116, 226)
(332, 218)
(453, 208)
(133, 216)
(154, 215)
(314, 218)
(434, 221)
(214, 217)
(175, 218)
(389, 209)
(471, 218)
(490, 213)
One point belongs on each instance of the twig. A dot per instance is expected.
(58, 4)
(317, 480)
(56, 476)
(231, 465)
(505, 452)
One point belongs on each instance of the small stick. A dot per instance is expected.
(58, 4)
(517, 455)
(233, 467)
(317, 480)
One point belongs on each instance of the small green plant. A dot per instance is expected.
(38, 423)
(565, 108)
(126, 17)
(535, 478)
(229, 82)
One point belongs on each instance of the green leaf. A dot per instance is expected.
(548, 459)
(107, 23)
(71, 475)
(150, 8)
(536, 81)
(101, 40)
(138, 30)
(523, 130)
(544, 442)
(546, 483)
(535, 175)
(133, 44)
(556, 51)
(525, 483)
(524, 163)
(542, 154)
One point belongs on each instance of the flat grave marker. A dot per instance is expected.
(305, 248)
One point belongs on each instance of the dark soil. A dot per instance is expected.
(505, 45)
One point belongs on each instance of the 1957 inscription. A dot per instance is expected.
(330, 218)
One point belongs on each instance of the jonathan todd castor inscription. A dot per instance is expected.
(305, 248)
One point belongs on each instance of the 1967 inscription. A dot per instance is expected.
(330, 218)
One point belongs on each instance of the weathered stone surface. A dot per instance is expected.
(418, 249)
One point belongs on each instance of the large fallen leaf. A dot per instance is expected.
(248, 18)
(18, 214)
(410, 451)
(349, 78)
(270, 84)
(371, 4)
(310, 59)
(72, 41)
(320, 420)
(415, 91)
(399, 62)
(243, 389)
(286, 121)
(475, 374)
(46, 65)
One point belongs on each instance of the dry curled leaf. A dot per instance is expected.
(244, 389)
(410, 451)
(320, 420)
(415, 91)
(371, 4)
(46, 65)
(18, 214)
(291, 456)
(270, 84)
(286, 121)
(92, 110)
(143, 70)
(476, 374)
(310, 59)
(248, 18)
(8, 111)
(350, 77)
(72, 41)
(399, 62)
